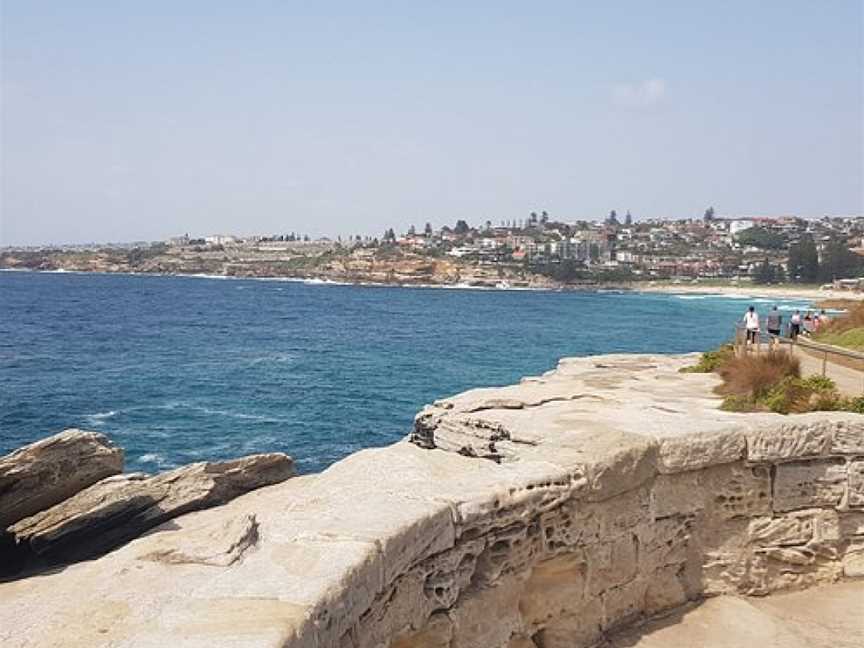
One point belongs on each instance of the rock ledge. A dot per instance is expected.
(549, 514)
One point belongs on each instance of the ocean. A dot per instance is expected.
(183, 369)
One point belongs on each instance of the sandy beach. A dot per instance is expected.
(810, 293)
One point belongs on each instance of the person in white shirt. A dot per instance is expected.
(795, 325)
(751, 323)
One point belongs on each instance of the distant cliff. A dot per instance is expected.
(541, 515)
(377, 266)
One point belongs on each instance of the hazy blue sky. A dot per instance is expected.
(126, 121)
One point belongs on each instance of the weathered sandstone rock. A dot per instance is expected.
(825, 617)
(44, 473)
(122, 507)
(552, 514)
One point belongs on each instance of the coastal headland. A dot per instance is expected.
(363, 267)
(555, 513)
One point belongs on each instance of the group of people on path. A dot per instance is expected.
(807, 325)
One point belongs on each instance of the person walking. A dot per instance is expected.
(795, 325)
(774, 321)
(751, 325)
(817, 323)
(807, 324)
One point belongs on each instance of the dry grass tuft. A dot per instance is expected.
(753, 376)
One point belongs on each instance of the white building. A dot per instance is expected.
(463, 250)
(220, 239)
(739, 225)
(178, 241)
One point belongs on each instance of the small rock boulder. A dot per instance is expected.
(44, 473)
(220, 543)
(120, 508)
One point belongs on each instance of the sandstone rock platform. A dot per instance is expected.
(550, 514)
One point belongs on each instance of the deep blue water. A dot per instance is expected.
(180, 369)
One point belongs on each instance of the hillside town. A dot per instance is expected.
(535, 251)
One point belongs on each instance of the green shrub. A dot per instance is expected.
(854, 405)
(818, 383)
(711, 360)
(771, 382)
(827, 401)
(795, 395)
(737, 403)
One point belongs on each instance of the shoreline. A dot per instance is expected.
(752, 292)
(729, 291)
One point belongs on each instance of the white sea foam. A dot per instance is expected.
(240, 415)
(325, 282)
(102, 415)
(202, 275)
(274, 357)
(99, 417)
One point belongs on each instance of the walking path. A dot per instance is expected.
(849, 381)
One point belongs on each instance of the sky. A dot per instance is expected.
(124, 121)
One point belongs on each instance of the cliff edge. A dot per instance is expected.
(552, 513)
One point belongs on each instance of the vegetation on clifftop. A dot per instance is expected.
(846, 331)
(771, 382)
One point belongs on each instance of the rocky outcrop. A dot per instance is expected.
(552, 513)
(49, 471)
(122, 507)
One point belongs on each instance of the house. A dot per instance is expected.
(739, 225)
(220, 239)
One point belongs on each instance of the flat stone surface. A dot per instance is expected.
(588, 406)
(821, 617)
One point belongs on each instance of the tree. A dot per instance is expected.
(628, 219)
(761, 238)
(594, 252)
(461, 227)
(709, 215)
(428, 229)
(533, 218)
(613, 218)
(809, 260)
(838, 261)
(544, 217)
(411, 231)
(793, 265)
(779, 274)
(765, 273)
